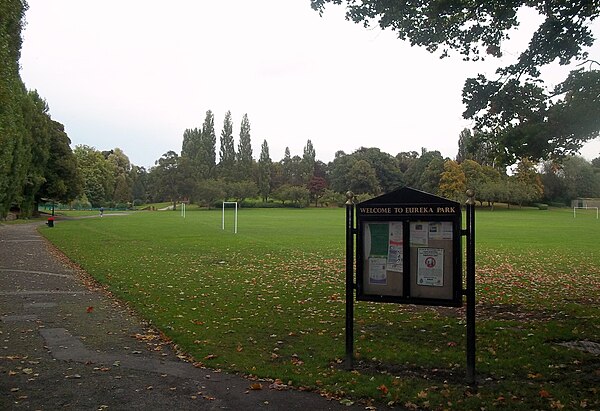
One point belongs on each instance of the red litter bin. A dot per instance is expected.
(50, 222)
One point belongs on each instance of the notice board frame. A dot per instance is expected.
(423, 261)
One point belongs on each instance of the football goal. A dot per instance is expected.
(235, 220)
(584, 208)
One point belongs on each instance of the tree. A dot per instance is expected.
(579, 178)
(14, 155)
(340, 171)
(190, 149)
(296, 194)
(209, 191)
(387, 170)
(363, 179)
(308, 161)
(140, 185)
(524, 118)
(170, 179)
(63, 176)
(37, 124)
(244, 153)
(406, 160)
(527, 185)
(424, 171)
(316, 187)
(478, 147)
(241, 190)
(264, 172)
(208, 140)
(98, 176)
(122, 190)
(452, 181)
(227, 148)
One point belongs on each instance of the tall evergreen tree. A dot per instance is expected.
(63, 176)
(37, 123)
(208, 141)
(14, 153)
(308, 161)
(264, 171)
(190, 149)
(227, 148)
(244, 153)
(286, 163)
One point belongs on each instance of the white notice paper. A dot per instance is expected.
(377, 274)
(430, 267)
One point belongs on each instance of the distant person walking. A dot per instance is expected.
(101, 211)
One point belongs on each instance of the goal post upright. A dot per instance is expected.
(235, 223)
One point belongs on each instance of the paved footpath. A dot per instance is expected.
(65, 344)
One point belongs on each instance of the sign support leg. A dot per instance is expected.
(349, 281)
(470, 292)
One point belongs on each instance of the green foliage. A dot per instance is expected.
(209, 192)
(244, 158)
(227, 148)
(524, 119)
(363, 179)
(452, 181)
(98, 175)
(13, 150)
(264, 171)
(297, 195)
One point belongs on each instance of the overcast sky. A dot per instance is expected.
(135, 74)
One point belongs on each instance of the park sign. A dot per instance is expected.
(408, 249)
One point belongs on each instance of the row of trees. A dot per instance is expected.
(197, 176)
(517, 121)
(36, 161)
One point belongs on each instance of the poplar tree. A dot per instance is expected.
(244, 153)
(308, 161)
(207, 153)
(227, 148)
(264, 171)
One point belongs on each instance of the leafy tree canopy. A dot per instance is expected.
(521, 114)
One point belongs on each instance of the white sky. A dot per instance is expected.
(135, 74)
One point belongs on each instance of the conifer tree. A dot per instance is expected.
(244, 153)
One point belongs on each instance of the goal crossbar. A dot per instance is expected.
(235, 224)
(584, 208)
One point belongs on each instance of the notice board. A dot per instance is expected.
(408, 249)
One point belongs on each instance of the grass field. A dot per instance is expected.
(269, 302)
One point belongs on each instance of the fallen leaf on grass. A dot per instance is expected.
(384, 390)
(89, 309)
(544, 394)
(210, 357)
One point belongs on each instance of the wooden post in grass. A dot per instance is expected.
(349, 280)
(470, 291)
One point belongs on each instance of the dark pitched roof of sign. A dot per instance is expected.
(407, 195)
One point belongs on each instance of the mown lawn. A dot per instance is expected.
(269, 302)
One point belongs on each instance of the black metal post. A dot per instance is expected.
(470, 292)
(349, 280)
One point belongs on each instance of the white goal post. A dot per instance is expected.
(235, 224)
(584, 208)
